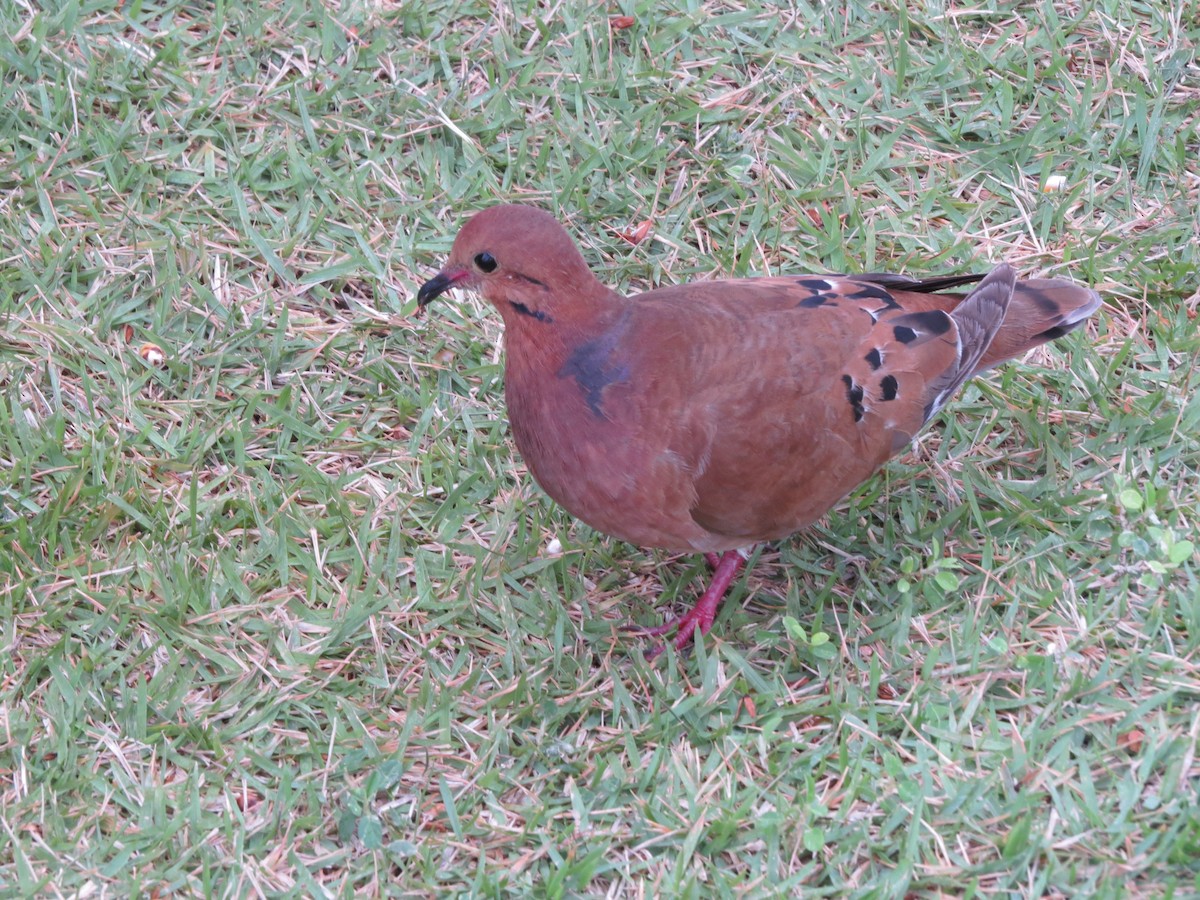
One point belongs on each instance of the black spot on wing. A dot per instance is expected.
(873, 292)
(930, 323)
(816, 285)
(888, 387)
(874, 358)
(933, 322)
(816, 300)
(597, 364)
(854, 393)
(820, 292)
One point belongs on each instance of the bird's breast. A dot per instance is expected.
(592, 446)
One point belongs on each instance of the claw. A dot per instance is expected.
(699, 617)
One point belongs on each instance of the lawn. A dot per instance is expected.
(280, 611)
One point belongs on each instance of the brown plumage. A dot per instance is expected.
(714, 415)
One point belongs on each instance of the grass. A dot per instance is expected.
(278, 618)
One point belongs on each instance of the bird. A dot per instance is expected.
(716, 415)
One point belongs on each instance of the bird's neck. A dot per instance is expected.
(543, 335)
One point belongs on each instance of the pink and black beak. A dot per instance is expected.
(438, 285)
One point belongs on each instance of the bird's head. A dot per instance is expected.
(520, 259)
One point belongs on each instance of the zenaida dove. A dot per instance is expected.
(715, 415)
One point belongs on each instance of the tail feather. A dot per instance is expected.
(1041, 310)
(981, 317)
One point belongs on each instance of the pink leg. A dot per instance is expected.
(702, 614)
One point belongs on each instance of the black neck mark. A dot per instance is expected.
(532, 313)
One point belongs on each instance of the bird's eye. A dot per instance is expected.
(486, 262)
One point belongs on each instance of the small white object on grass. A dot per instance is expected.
(1054, 183)
(153, 354)
(554, 548)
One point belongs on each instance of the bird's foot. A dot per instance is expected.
(699, 617)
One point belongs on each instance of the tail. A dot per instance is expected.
(1041, 310)
(979, 319)
(1000, 319)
